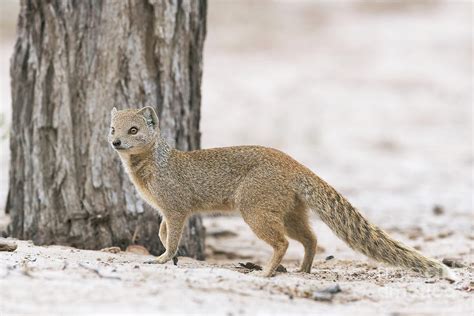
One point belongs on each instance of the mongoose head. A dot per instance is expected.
(133, 131)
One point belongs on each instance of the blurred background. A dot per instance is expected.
(374, 96)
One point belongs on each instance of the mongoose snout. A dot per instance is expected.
(117, 143)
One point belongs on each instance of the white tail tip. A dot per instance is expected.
(450, 275)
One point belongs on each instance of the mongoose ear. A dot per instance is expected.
(114, 111)
(150, 116)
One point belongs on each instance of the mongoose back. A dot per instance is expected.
(271, 190)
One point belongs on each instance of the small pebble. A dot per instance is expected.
(322, 296)
(326, 294)
(438, 210)
(333, 289)
(445, 234)
(111, 249)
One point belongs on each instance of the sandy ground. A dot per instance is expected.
(56, 279)
(376, 99)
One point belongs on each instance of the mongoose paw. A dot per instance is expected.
(263, 274)
(159, 260)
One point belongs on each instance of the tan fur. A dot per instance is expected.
(272, 191)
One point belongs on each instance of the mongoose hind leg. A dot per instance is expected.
(270, 230)
(298, 228)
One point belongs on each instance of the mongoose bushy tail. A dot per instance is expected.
(352, 227)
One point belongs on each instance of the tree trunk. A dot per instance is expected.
(73, 62)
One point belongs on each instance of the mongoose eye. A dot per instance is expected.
(133, 130)
(112, 130)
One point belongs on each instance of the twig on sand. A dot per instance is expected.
(96, 271)
(250, 266)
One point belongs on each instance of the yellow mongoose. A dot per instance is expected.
(272, 191)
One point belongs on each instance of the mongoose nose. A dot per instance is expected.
(117, 143)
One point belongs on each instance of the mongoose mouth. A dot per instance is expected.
(117, 145)
(121, 148)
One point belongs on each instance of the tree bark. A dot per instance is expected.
(73, 62)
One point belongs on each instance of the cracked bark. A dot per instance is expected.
(74, 61)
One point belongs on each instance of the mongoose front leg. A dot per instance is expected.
(163, 231)
(174, 228)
